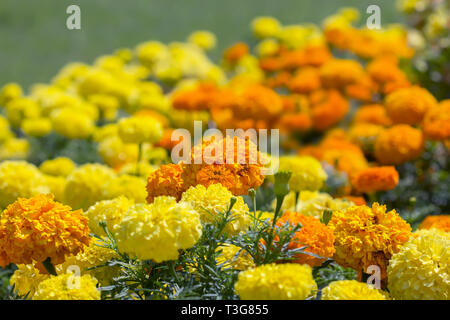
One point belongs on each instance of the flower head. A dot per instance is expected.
(441, 222)
(140, 129)
(34, 229)
(420, 270)
(367, 236)
(61, 166)
(352, 290)
(288, 281)
(234, 257)
(375, 179)
(436, 123)
(307, 172)
(214, 200)
(58, 288)
(26, 279)
(157, 231)
(166, 181)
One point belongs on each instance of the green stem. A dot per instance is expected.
(49, 266)
(297, 194)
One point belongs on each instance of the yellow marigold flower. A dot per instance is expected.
(109, 211)
(367, 236)
(15, 148)
(21, 108)
(68, 287)
(268, 47)
(116, 153)
(441, 222)
(315, 235)
(60, 166)
(140, 129)
(86, 185)
(399, 144)
(307, 172)
(5, 130)
(95, 255)
(130, 186)
(150, 52)
(203, 39)
(9, 92)
(352, 290)
(409, 105)
(71, 123)
(157, 231)
(26, 279)
(234, 257)
(375, 179)
(106, 104)
(313, 203)
(20, 179)
(105, 132)
(436, 124)
(420, 270)
(38, 228)
(57, 186)
(211, 201)
(37, 127)
(145, 169)
(290, 281)
(265, 27)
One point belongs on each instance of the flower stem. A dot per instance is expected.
(139, 158)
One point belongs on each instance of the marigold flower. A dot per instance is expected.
(57, 288)
(166, 181)
(409, 105)
(34, 229)
(215, 199)
(60, 166)
(375, 179)
(307, 172)
(367, 236)
(10, 92)
(20, 109)
(338, 73)
(316, 236)
(265, 27)
(231, 256)
(305, 80)
(441, 222)
(373, 113)
(352, 290)
(204, 39)
(20, 179)
(38, 127)
(72, 123)
(365, 135)
(328, 108)
(109, 211)
(399, 144)
(235, 52)
(94, 255)
(290, 281)
(130, 186)
(436, 124)
(85, 185)
(157, 231)
(26, 279)
(139, 130)
(420, 270)
(15, 149)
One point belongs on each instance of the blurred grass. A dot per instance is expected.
(35, 44)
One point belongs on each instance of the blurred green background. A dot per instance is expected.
(35, 43)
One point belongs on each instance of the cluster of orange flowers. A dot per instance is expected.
(233, 162)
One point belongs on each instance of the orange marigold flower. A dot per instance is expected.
(409, 105)
(235, 52)
(237, 168)
(373, 113)
(166, 181)
(296, 122)
(338, 73)
(200, 98)
(367, 236)
(441, 222)
(375, 179)
(399, 144)
(362, 90)
(365, 135)
(359, 201)
(328, 108)
(305, 80)
(37, 228)
(318, 238)
(436, 124)
(384, 69)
